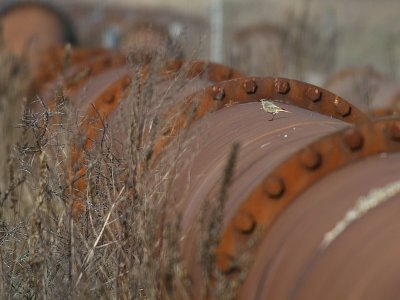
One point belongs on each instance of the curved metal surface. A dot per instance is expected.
(104, 86)
(98, 99)
(338, 240)
(370, 91)
(286, 182)
(311, 232)
(243, 90)
(263, 144)
(106, 89)
(70, 69)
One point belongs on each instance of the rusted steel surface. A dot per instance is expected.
(293, 176)
(92, 73)
(326, 245)
(253, 89)
(263, 143)
(98, 95)
(278, 162)
(312, 197)
(370, 91)
(31, 27)
(71, 68)
(106, 90)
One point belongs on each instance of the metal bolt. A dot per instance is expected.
(218, 93)
(310, 158)
(109, 98)
(281, 86)
(173, 67)
(229, 75)
(274, 187)
(107, 61)
(313, 93)
(126, 82)
(244, 222)
(225, 262)
(342, 108)
(394, 131)
(250, 86)
(353, 139)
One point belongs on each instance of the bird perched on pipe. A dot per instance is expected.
(272, 108)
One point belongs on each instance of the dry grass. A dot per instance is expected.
(126, 245)
(14, 80)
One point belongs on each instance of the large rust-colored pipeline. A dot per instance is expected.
(337, 240)
(311, 209)
(279, 162)
(97, 82)
(323, 145)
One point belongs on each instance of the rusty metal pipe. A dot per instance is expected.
(263, 143)
(105, 87)
(312, 252)
(257, 199)
(283, 177)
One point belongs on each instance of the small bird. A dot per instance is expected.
(271, 108)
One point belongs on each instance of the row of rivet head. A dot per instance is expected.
(310, 159)
(249, 85)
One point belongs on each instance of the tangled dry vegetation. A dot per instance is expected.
(126, 245)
